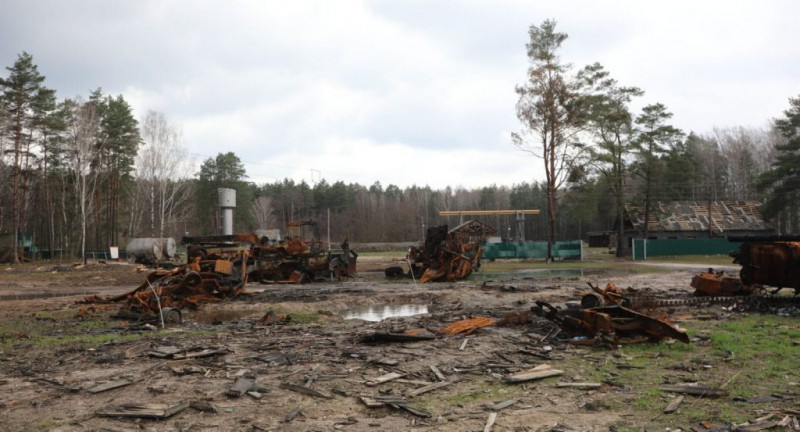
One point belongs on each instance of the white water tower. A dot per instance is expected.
(227, 202)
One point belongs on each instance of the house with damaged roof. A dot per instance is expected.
(694, 220)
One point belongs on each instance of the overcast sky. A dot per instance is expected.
(401, 92)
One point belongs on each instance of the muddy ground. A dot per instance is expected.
(56, 354)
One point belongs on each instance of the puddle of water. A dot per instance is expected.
(40, 295)
(217, 317)
(380, 313)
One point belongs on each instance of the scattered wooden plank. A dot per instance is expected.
(756, 427)
(242, 385)
(292, 414)
(580, 385)
(135, 410)
(397, 337)
(412, 382)
(490, 422)
(539, 372)
(200, 354)
(694, 390)
(110, 385)
(501, 405)
(385, 361)
(203, 406)
(428, 388)
(384, 378)
(463, 344)
(58, 383)
(305, 390)
(312, 377)
(438, 373)
(673, 406)
(394, 402)
(164, 351)
(419, 412)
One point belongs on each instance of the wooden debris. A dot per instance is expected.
(673, 406)
(394, 402)
(208, 352)
(136, 410)
(694, 390)
(384, 378)
(242, 385)
(397, 337)
(58, 383)
(164, 351)
(580, 385)
(490, 422)
(292, 414)
(203, 406)
(255, 395)
(305, 390)
(438, 373)
(110, 385)
(463, 344)
(756, 426)
(428, 388)
(501, 405)
(539, 372)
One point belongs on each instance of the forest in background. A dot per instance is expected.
(85, 173)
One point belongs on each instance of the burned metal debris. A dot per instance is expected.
(609, 325)
(717, 283)
(444, 256)
(297, 259)
(769, 260)
(219, 267)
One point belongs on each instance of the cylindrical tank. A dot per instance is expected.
(227, 197)
(227, 202)
(142, 249)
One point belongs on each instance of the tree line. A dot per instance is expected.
(83, 173)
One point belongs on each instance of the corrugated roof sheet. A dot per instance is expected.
(694, 216)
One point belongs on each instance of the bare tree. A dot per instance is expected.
(748, 152)
(264, 212)
(83, 127)
(161, 176)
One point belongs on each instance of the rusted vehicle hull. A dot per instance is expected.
(609, 325)
(444, 257)
(772, 263)
(714, 284)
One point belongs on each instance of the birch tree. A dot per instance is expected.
(161, 176)
(83, 127)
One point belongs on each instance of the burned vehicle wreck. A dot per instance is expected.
(445, 256)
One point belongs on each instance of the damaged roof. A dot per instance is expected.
(694, 216)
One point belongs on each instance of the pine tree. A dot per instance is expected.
(25, 100)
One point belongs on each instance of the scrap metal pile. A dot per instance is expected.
(606, 317)
(187, 286)
(444, 256)
(294, 260)
(219, 267)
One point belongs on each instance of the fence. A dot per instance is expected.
(644, 248)
(537, 249)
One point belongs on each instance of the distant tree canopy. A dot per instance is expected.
(85, 174)
(224, 171)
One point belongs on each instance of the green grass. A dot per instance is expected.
(748, 356)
